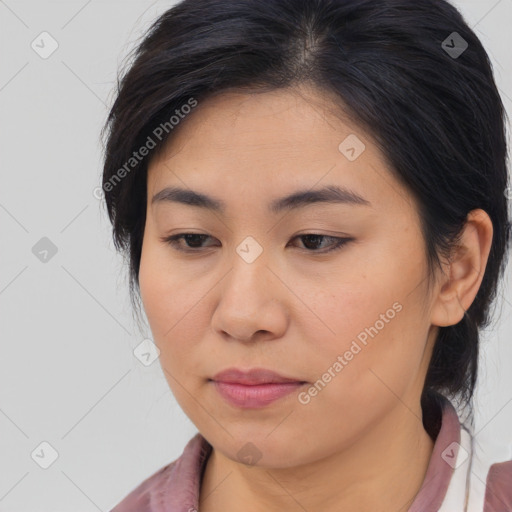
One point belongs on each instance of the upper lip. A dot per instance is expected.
(251, 376)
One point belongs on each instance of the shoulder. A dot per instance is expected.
(498, 493)
(474, 473)
(168, 482)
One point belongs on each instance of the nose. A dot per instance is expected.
(251, 303)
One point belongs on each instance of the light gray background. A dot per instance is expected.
(68, 375)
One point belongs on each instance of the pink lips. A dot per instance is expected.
(255, 388)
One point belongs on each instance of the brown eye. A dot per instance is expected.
(313, 239)
(194, 239)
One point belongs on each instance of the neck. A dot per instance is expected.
(382, 470)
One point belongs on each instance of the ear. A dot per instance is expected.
(465, 270)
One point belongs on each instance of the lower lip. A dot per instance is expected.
(255, 396)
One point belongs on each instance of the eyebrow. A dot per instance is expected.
(299, 199)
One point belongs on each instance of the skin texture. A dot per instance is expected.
(359, 443)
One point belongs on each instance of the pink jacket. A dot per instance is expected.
(452, 482)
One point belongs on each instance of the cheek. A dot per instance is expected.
(173, 308)
(162, 305)
(151, 284)
(346, 309)
(160, 294)
(371, 323)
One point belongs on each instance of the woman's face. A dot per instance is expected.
(354, 323)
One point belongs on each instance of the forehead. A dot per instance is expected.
(280, 120)
(284, 140)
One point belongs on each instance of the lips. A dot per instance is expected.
(254, 388)
(252, 377)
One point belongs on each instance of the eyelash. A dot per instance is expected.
(174, 239)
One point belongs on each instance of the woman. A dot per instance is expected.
(312, 196)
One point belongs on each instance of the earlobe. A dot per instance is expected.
(465, 270)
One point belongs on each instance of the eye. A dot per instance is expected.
(196, 240)
(313, 239)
